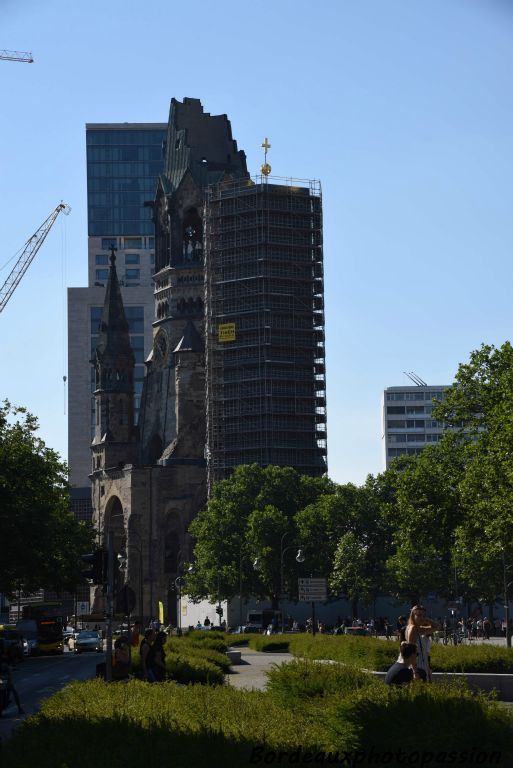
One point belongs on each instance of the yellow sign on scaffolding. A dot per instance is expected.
(226, 332)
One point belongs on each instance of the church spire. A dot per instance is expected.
(114, 338)
(114, 363)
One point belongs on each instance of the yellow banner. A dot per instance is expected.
(226, 332)
(161, 612)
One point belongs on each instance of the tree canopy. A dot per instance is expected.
(249, 517)
(41, 540)
(439, 522)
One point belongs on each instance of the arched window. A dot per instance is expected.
(192, 236)
(155, 449)
(171, 548)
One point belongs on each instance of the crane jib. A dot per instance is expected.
(32, 246)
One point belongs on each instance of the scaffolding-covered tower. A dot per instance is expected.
(265, 352)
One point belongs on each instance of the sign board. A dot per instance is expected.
(312, 590)
(226, 332)
(184, 610)
(82, 609)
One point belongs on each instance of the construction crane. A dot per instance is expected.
(16, 56)
(30, 249)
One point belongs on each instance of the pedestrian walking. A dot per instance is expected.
(6, 674)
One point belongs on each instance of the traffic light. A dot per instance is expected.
(219, 610)
(97, 562)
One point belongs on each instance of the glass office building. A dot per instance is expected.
(124, 161)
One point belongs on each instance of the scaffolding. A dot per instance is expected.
(265, 350)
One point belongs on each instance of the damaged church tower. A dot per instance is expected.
(236, 374)
(149, 482)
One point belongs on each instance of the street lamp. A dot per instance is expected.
(241, 551)
(138, 549)
(507, 584)
(176, 585)
(300, 558)
(123, 566)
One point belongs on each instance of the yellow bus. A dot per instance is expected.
(41, 626)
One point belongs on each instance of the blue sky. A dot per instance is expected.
(403, 109)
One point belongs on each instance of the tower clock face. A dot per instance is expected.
(160, 346)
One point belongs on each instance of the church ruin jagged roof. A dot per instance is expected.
(200, 143)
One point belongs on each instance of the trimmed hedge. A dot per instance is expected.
(190, 661)
(94, 723)
(302, 679)
(378, 655)
(269, 643)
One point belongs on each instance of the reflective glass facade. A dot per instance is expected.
(123, 164)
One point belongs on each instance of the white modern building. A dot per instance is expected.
(407, 420)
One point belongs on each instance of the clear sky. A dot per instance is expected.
(402, 108)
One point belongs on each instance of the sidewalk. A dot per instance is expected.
(251, 673)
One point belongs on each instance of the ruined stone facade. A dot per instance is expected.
(149, 481)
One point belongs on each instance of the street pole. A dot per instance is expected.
(110, 604)
(282, 553)
(240, 589)
(179, 606)
(506, 605)
(314, 628)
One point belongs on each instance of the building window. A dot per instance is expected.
(132, 274)
(132, 258)
(108, 242)
(102, 274)
(101, 259)
(133, 242)
(151, 242)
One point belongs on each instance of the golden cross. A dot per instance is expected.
(265, 147)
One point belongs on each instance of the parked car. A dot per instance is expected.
(89, 640)
(357, 631)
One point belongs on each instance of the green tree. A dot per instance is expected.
(425, 515)
(245, 521)
(42, 541)
(347, 539)
(480, 402)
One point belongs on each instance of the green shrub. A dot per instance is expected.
(379, 655)
(187, 669)
(240, 639)
(269, 643)
(95, 724)
(422, 717)
(304, 679)
(196, 651)
(212, 638)
(188, 662)
(471, 658)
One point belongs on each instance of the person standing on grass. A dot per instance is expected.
(418, 631)
(121, 660)
(156, 659)
(144, 650)
(404, 670)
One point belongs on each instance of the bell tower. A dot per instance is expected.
(114, 382)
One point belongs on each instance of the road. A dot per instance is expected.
(37, 678)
